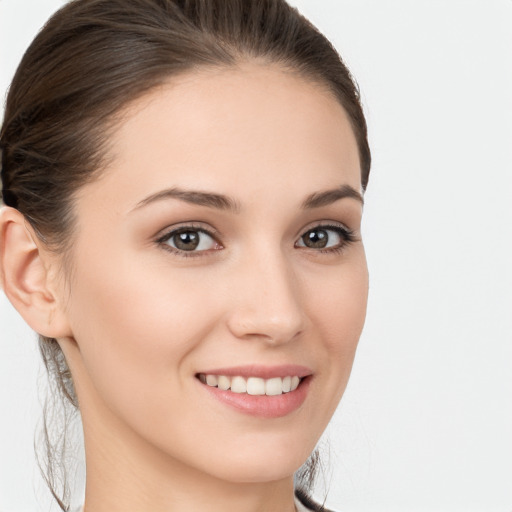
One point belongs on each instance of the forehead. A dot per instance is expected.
(248, 128)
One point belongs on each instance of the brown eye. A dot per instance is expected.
(187, 241)
(190, 240)
(329, 238)
(316, 238)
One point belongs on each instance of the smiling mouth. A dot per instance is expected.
(255, 386)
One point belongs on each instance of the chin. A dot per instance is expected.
(260, 465)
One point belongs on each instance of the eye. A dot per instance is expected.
(326, 238)
(189, 240)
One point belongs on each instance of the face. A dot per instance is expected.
(222, 244)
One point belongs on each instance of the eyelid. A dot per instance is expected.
(192, 225)
(326, 224)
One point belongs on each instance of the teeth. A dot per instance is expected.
(211, 380)
(224, 382)
(274, 386)
(253, 385)
(238, 385)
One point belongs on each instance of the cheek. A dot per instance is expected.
(135, 324)
(338, 311)
(339, 306)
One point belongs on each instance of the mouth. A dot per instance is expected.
(255, 386)
(259, 391)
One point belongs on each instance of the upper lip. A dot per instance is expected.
(261, 371)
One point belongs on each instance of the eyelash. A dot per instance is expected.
(347, 237)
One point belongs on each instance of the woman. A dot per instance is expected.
(183, 185)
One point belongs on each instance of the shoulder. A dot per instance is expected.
(304, 503)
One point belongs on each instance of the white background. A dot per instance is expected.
(426, 423)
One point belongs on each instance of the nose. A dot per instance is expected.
(267, 301)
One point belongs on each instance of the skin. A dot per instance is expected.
(137, 322)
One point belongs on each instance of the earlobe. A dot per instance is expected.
(25, 277)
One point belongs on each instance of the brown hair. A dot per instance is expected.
(91, 59)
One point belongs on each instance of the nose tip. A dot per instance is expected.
(268, 308)
(273, 329)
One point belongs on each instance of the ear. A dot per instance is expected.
(26, 278)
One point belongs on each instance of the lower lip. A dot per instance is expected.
(264, 406)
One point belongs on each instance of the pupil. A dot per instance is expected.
(187, 240)
(316, 239)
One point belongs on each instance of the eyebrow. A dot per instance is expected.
(209, 199)
(222, 202)
(327, 197)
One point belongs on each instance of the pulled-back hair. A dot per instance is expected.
(92, 59)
